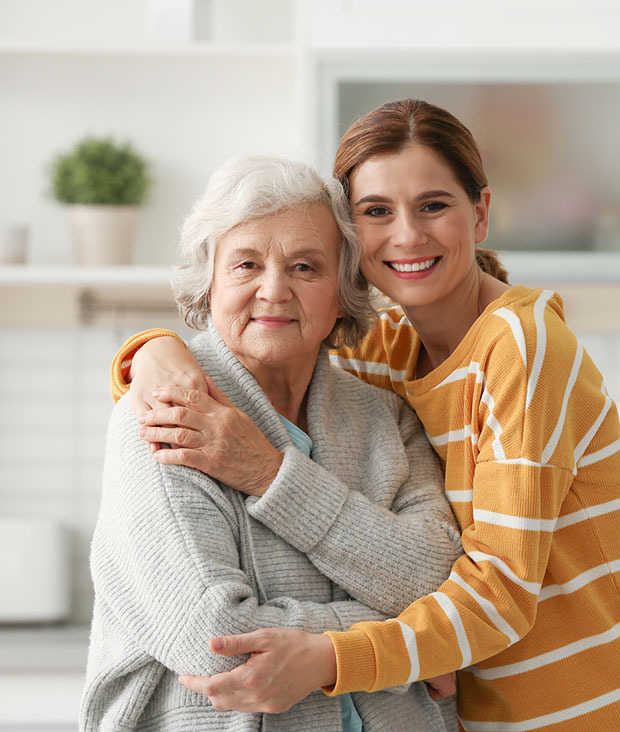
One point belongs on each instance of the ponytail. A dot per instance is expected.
(488, 262)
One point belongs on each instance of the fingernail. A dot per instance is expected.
(156, 393)
(142, 418)
(218, 644)
(153, 446)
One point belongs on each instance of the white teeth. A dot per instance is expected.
(413, 267)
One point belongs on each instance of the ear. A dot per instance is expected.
(481, 213)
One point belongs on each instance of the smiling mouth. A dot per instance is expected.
(273, 318)
(413, 266)
(272, 322)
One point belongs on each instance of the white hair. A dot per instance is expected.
(252, 186)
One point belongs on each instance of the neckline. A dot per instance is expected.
(445, 368)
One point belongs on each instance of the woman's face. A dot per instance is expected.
(274, 292)
(417, 225)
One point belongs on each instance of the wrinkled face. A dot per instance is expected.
(274, 291)
(417, 225)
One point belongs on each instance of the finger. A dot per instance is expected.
(235, 645)
(182, 456)
(216, 393)
(194, 398)
(138, 404)
(175, 415)
(197, 684)
(182, 436)
(216, 688)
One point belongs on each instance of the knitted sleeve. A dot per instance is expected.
(165, 561)
(540, 405)
(384, 556)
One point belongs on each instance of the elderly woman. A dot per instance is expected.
(334, 511)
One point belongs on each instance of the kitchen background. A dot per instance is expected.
(191, 83)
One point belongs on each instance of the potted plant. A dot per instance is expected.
(104, 183)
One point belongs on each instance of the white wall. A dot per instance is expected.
(456, 24)
(185, 112)
(186, 115)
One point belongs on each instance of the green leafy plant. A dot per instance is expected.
(100, 171)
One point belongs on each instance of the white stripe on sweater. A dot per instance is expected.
(460, 496)
(514, 522)
(499, 564)
(488, 608)
(545, 659)
(394, 325)
(449, 608)
(541, 344)
(517, 330)
(523, 461)
(584, 514)
(604, 452)
(581, 580)
(463, 373)
(452, 436)
(366, 367)
(588, 437)
(412, 649)
(493, 424)
(557, 432)
(579, 710)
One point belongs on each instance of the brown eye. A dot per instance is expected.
(434, 207)
(377, 211)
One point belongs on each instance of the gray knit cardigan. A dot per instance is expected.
(355, 534)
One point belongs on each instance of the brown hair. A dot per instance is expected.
(394, 125)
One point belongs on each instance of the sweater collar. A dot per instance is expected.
(234, 379)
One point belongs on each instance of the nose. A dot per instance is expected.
(274, 286)
(408, 230)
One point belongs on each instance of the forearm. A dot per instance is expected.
(489, 602)
(384, 559)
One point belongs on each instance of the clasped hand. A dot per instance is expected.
(207, 432)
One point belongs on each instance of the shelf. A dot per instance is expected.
(490, 65)
(190, 50)
(59, 276)
(575, 267)
(570, 267)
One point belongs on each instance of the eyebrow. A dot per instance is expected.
(376, 198)
(249, 252)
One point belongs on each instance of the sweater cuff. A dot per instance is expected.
(356, 663)
(121, 361)
(302, 503)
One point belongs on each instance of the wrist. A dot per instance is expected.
(145, 351)
(326, 663)
(269, 473)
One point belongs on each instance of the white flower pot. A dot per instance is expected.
(103, 235)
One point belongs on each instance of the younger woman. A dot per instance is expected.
(528, 437)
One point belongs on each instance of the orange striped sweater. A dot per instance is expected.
(530, 443)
